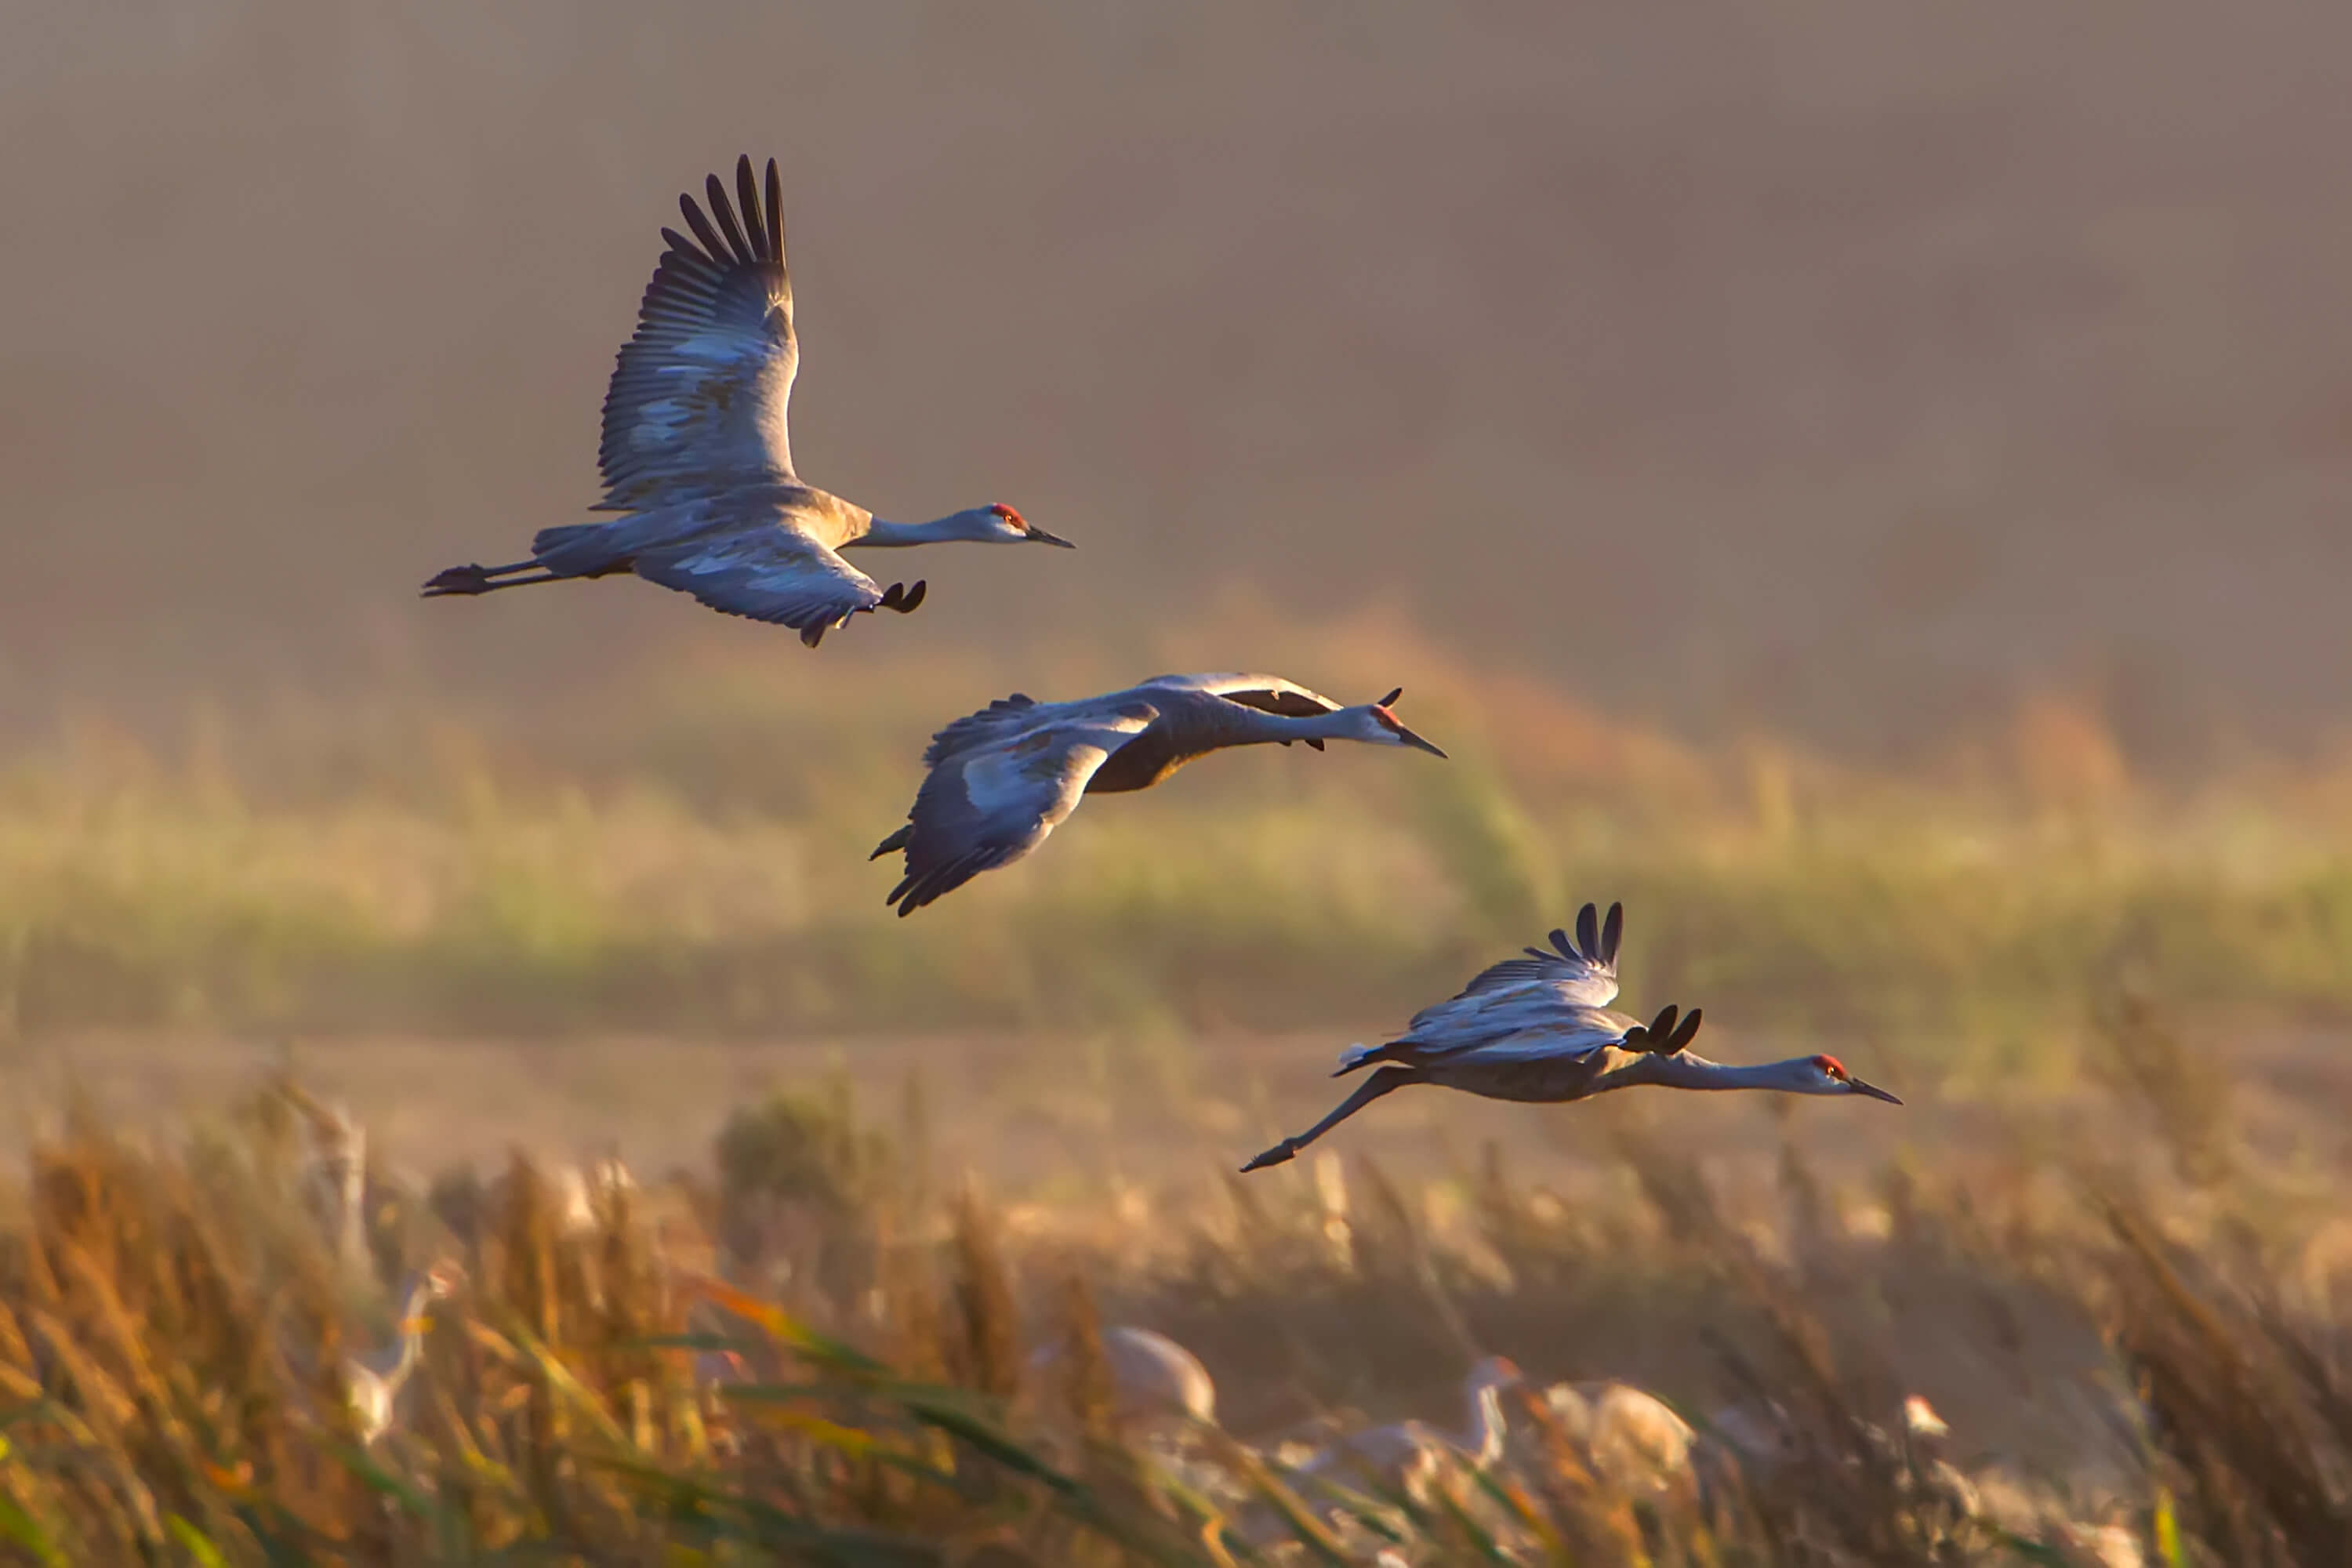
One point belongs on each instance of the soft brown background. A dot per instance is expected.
(1823, 364)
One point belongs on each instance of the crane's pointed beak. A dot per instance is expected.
(1872, 1089)
(1039, 536)
(1409, 739)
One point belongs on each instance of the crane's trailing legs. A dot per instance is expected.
(478, 579)
(1385, 1081)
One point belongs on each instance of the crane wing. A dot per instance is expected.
(771, 571)
(1267, 693)
(698, 397)
(1560, 993)
(1009, 716)
(1001, 720)
(1526, 1028)
(994, 800)
(1582, 971)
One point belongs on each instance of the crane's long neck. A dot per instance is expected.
(411, 1336)
(1245, 726)
(881, 535)
(1483, 1441)
(1684, 1070)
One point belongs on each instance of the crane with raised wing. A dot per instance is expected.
(697, 452)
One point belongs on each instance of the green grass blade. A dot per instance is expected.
(2017, 1545)
(2167, 1522)
(197, 1544)
(18, 1524)
(384, 1483)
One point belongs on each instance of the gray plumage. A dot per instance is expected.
(696, 450)
(373, 1379)
(1156, 1384)
(1537, 1029)
(1002, 779)
(1407, 1457)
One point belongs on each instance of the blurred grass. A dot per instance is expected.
(2120, 1348)
(688, 853)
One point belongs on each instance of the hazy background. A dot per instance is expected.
(1862, 482)
(1828, 367)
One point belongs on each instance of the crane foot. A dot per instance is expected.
(1280, 1154)
(473, 579)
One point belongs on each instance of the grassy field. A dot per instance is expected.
(2129, 1306)
(878, 1161)
(689, 857)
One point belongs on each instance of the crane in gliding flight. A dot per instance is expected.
(1538, 1029)
(1002, 779)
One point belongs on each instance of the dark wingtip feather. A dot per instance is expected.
(1612, 932)
(776, 214)
(1588, 935)
(1684, 1035)
(746, 197)
(711, 245)
(723, 213)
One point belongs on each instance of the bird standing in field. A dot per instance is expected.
(1407, 1456)
(373, 1379)
(1636, 1440)
(1004, 778)
(697, 458)
(1538, 1029)
(1157, 1387)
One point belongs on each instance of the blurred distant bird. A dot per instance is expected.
(1156, 1384)
(1538, 1029)
(1004, 778)
(373, 1379)
(1635, 1439)
(335, 1177)
(697, 456)
(1407, 1456)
